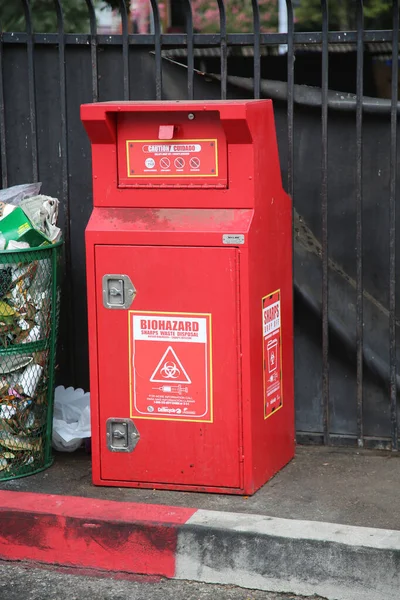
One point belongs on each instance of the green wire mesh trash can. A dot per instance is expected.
(29, 307)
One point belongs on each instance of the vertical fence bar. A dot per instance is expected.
(65, 183)
(3, 148)
(223, 48)
(359, 220)
(290, 117)
(125, 47)
(157, 47)
(93, 49)
(256, 48)
(31, 89)
(392, 227)
(290, 106)
(324, 215)
(189, 48)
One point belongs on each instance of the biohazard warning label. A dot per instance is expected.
(272, 353)
(170, 366)
(180, 158)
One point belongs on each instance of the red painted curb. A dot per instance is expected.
(83, 532)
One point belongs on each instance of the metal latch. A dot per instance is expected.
(118, 291)
(122, 435)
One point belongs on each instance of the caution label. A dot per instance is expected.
(180, 158)
(170, 366)
(272, 353)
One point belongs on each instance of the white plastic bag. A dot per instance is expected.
(71, 420)
(14, 195)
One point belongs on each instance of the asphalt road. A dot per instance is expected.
(19, 581)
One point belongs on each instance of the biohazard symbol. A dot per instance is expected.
(170, 368)
(272, 349)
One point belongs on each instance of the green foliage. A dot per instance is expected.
(342, 15)
(379, 13)
(44, 16)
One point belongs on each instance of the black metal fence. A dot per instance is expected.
(339, 160)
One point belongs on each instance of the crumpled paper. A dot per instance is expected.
(43, 213)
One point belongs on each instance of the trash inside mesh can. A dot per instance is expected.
(29, 306)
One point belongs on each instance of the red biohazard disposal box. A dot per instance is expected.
(189, 276)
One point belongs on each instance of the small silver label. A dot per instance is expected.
(233, 238)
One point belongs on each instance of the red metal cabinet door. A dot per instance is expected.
(173, 449)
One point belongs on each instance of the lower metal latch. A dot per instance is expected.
(122, 435)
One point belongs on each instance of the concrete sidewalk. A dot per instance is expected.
(328, 524)
(343, 486)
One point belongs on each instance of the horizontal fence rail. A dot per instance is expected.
(339, 159)
(205, 39)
